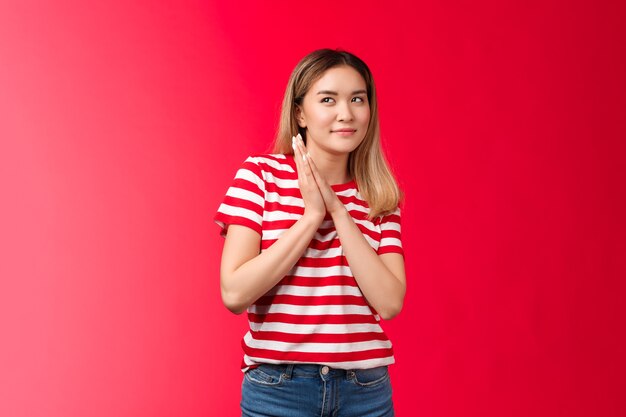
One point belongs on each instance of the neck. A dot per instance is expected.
(334, 168)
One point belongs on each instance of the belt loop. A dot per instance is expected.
(289, 370)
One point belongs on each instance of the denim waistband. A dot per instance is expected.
(309, 370)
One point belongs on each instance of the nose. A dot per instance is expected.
(344, 112)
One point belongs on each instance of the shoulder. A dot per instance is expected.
(391, 217)
(269, 158)
(272, 163)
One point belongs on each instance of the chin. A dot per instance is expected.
(343, 149)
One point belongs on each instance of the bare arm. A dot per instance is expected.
(381, 278)
(246, 274)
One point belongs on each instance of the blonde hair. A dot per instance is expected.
(366, 164)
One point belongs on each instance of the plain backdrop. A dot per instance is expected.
(122, 124)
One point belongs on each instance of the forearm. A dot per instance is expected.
(244, 285)
(382, 289)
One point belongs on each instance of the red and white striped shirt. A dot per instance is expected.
(316, 313)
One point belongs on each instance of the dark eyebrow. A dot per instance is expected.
(334, 93)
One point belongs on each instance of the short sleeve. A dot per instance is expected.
(391, 237)
(245, 199)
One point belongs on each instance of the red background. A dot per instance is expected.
(122, 124)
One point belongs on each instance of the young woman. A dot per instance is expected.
(313, 251)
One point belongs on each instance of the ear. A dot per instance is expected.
(300, 117)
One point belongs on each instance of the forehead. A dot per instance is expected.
(341, 79)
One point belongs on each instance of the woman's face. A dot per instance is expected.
(335, 112)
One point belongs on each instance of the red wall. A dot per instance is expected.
(122, 124)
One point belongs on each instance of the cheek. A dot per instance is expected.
(321, 118)
(364, 116)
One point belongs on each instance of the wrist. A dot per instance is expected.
(312, 219)
(339, 212)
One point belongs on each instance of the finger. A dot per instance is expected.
(297, 153)
(307, 168)
(317, 176)
(297, 157)
(305, 158)
(304, 171)
(300, 143)
(328, 194)
(305, 155)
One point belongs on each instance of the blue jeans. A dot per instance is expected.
(315, 390)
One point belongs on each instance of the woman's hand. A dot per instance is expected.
(381, 278)
(331, 201)
(311, 195)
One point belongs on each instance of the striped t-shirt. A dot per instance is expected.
(316, 313)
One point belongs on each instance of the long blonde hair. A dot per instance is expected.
(366, 164)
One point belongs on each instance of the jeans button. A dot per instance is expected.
(325, 370)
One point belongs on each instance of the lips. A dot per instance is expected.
(345, 130)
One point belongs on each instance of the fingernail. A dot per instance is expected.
(299, 137)
(304, 157)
